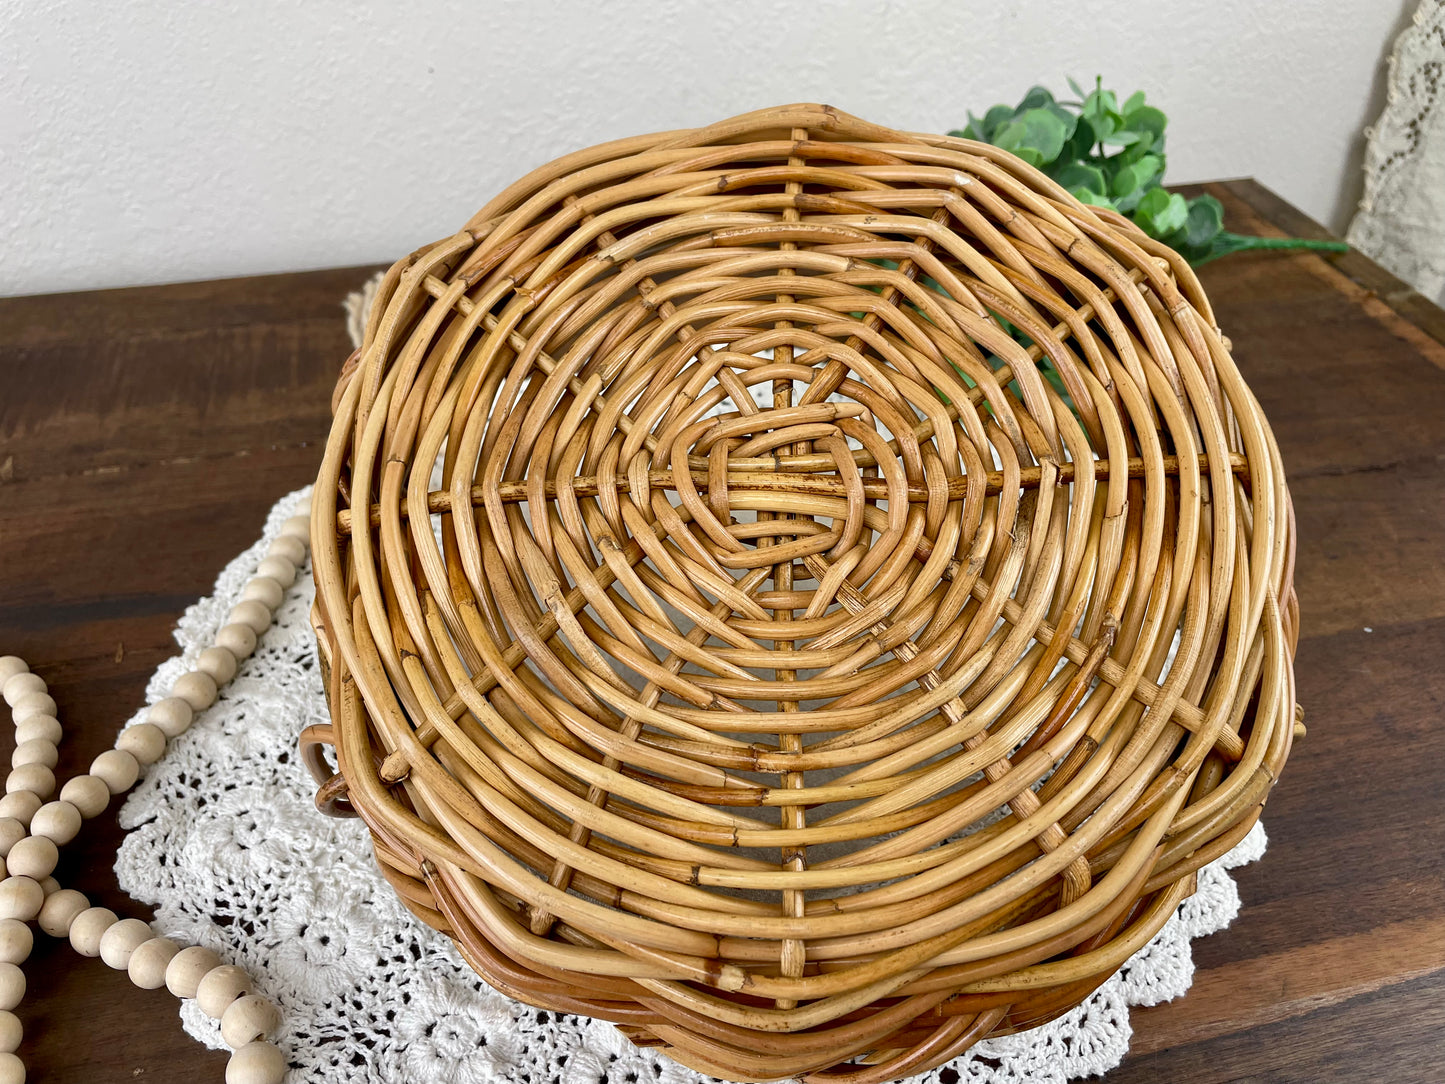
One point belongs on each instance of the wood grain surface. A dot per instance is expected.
(144, 434)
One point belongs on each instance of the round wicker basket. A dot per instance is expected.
(808, 593)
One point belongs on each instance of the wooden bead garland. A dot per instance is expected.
(197, 689)
(36, 705)
(148, 963)
(35, 778)
(218, 664)
(219, 987)
(32, 830)
(22, 685)
(88, 927)
(20, 804)
(34, 857)
(87, 793)
(122, 939)
(187, 968)
(247, 1019)
(60, 910)
(42, 727)
(16, 941)
(11, 833)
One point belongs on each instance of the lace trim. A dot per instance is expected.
(1401, 220)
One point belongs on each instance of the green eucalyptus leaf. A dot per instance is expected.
(1036, 98)
(1097, 199)
(995, 118)
(1081, 142)
(1147, 119)
(1127, 204)
(1154, 203)
(1070, 120)
(1081, 175)
(974, 129)
(1139, 148)
(1203, 222)
(1112, 156)
(1036, 136)
(1171, 217)
(1101, 101)
(1137, 175)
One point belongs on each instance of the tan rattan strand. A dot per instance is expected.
(856, 599)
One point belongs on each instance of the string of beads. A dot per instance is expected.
(33, 828)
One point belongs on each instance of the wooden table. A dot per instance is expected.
(144, 434)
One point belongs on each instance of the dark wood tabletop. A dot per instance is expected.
(144, 434)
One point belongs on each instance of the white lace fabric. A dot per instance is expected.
(1401, 220)
(225, 843)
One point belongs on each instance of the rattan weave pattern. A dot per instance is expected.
(795, 666)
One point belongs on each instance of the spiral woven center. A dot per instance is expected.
(802, 591)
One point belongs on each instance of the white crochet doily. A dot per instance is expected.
(1401, 220)
(224, 841)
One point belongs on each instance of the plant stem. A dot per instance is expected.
(1227, 243)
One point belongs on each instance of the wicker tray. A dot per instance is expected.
(856, 599)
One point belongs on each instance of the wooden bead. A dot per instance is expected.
(12, 1069)
(239, 640)
(57, 821)
(148, 963)
(12, 986)
(16, 941)
(88, 927)
(20, 897)
(60, 909)
(35, 751)
(10, 665)
(197, 689)
(50, 886)
(38, 728)
(219, 987)
(36, 778)
(11, 833)
(32, 705)
(122, 939)
(278, 569)
(10, 1032)
(117, 769)
(266, 591)
(34, 857)
(144, 741)
(299, 528)
(256, 1063)
(251, 614)
(293, 549)
(21, 805)
(218, 664)
(87, 793)
(22, 685)
(172, 716)
(247, 1019)
(188, 967)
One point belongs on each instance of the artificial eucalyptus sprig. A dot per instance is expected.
(1112, 155)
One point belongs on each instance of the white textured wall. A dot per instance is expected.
(148, 141)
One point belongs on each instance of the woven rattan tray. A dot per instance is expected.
(856, 599)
